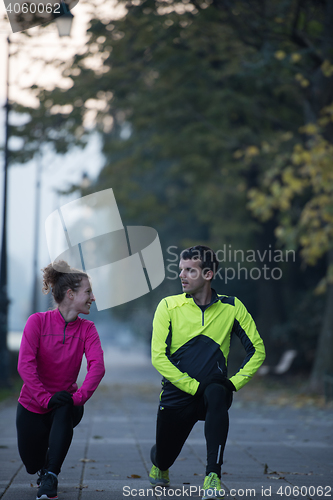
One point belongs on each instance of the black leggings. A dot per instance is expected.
(175, 424)
(44, 439)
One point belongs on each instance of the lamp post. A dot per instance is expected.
(4, 353)
(64, 23)
(34, 306)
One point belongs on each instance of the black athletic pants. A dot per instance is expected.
(44, 439)
(175, 424)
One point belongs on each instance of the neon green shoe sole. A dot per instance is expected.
(212, 487)
(159, 477)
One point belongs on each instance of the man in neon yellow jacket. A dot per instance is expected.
(190, 347)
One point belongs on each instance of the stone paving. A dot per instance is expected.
(276, 452)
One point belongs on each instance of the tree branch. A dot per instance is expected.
(300, 39)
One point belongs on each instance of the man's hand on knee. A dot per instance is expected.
(60, 398)
(215, 379)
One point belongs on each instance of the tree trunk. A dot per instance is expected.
(322, 95)
(270, 303)
(323, 363)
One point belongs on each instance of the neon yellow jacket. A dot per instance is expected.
(189, 344)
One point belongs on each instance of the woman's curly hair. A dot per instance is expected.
(58, 282)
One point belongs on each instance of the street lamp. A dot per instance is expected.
(85, 181)
(64, 20)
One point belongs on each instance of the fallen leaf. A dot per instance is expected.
(300, 473)
(85, 460)
(134, 476)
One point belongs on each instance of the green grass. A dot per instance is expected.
(11, 392)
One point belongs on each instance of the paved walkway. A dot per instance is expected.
(271, 452)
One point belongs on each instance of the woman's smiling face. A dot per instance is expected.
(83, 297)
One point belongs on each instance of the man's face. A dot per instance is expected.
(192, 277)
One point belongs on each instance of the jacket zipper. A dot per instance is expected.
(203, 313)
(65, 332)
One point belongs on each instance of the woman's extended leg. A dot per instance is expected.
(63, 421)
(32, 438)
(46, 436)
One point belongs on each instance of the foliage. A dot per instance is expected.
(305, 173)
(215, 119)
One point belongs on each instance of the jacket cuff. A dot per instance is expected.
(77, 399)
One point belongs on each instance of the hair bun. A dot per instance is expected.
(59, 277)
(63, 267)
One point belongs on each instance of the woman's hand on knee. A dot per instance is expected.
(60, 398)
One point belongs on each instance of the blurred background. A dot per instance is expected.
(212, 121)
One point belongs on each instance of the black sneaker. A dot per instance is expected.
(48, 487)
(40, 474)
(43, 470)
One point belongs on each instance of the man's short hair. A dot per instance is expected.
(206, 255)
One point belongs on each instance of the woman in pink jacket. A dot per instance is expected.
(51, 404)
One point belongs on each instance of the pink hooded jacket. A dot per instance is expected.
(50, 358)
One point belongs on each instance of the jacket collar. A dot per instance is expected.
(61, 319)
(213, 299)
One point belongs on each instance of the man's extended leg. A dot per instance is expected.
(217, 402)
(172, 429)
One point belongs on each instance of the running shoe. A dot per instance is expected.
(40, 474)
(48, 487)
(212, 487)
(43, 469)
(159, 477)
